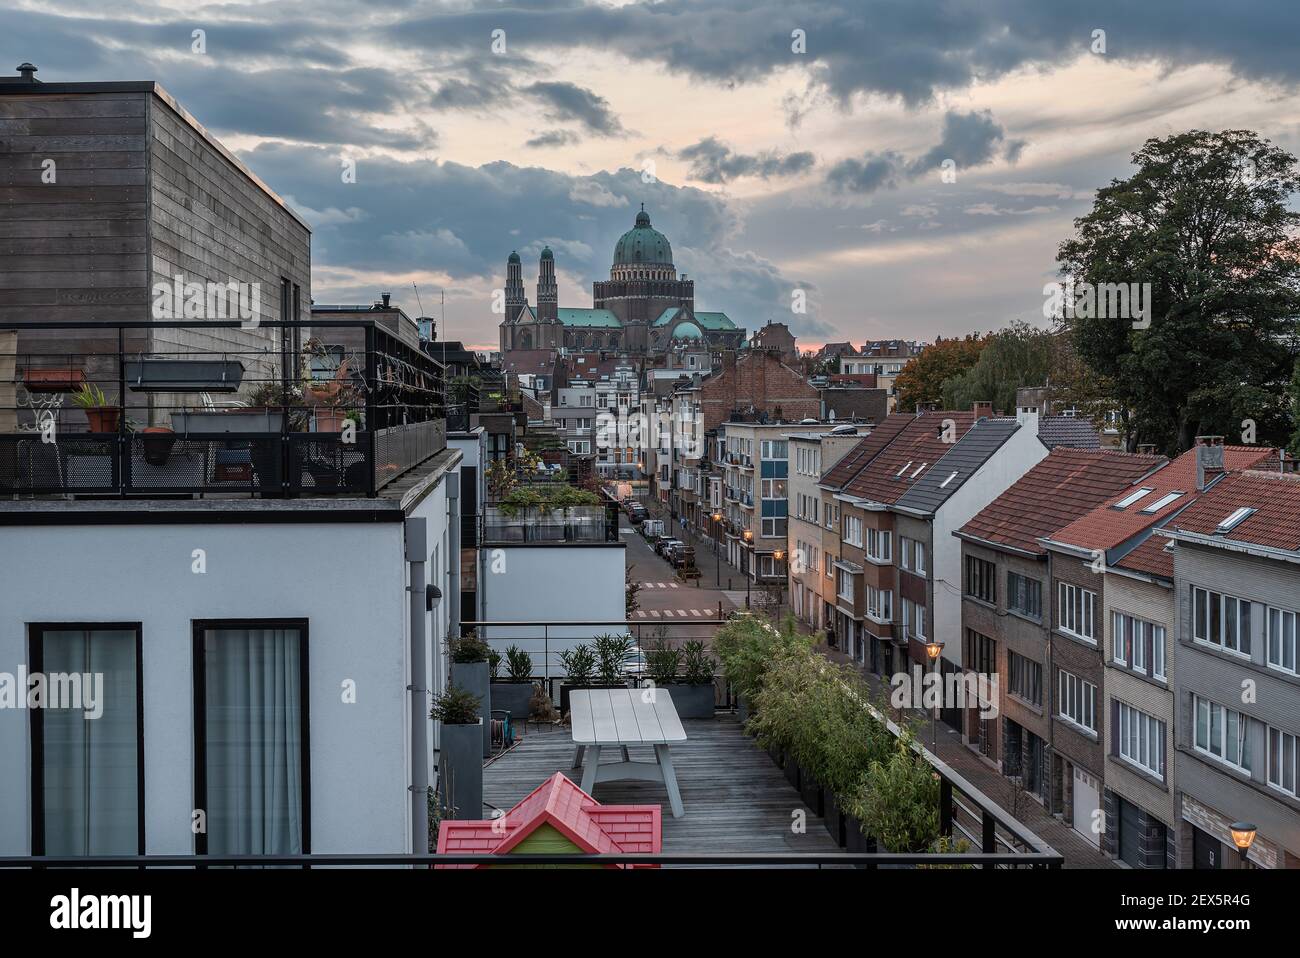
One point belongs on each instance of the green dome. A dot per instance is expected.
(547, 254)
(642, 244)
(686, 331)
(514, 258)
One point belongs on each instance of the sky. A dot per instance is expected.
(859, 169)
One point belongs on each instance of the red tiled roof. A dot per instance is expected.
(919, 444)
(558, 802)
(1150, 557)
(1064, 485)
(1106, 527)
(867, 449)
(1274, 495)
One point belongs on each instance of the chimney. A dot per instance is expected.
(1146, 449)
(1209, 460)
(982, 410)
(385, 297)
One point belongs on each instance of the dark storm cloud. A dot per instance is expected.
(712, 161)
(553, 138)
(568, 101)
(874, 171)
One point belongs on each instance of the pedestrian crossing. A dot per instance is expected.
(661, 585)
(675, 613)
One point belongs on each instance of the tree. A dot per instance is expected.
(1205, 221)
(921, 380)
(1019, 355)
(630, 589)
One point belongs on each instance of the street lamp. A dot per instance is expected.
(934, 650)
(749, 573)
(1243, 836)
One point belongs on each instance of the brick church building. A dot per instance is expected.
(643, 308)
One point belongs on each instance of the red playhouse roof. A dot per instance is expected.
(594, 828)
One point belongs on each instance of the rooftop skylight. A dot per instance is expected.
(1133, 497)
(900, 472)
(951, 477)
(1234, 520)
(918, 469)
(1163, 501)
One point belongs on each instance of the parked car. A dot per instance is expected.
(672, 550)
(634, 662)
(638, 514)
(665, 543)
(684, 557)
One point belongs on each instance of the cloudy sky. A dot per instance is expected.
(911, 165)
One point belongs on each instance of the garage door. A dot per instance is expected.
(1086, 803)
(1130, 845)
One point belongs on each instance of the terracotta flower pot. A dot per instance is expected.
(104, 419)
(329, 419)
(157, 444)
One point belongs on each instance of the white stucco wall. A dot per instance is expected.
(346, 579)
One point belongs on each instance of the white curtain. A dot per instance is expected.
(90, 764)
(253, 741)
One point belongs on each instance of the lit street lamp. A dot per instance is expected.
(749, 573)
(934, 650)
(1243, 836)
(717, 559)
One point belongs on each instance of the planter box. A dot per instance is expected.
(854, 840)
(460, 770)
(692, 701)
(811, 792)
(65, 380)
(184, 375)
(742, 709)
(777, 756)
(791, 770)
(513, 697)
(473, 678)
(234, 421)
(566, 688)
(835, 819)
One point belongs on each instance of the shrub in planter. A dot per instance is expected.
(611, 658)
(579, 664)
(898, 801)
(746, 647)
(514, 693)
(469, 669)
(693, 693)
(663, 662)
(460, 764)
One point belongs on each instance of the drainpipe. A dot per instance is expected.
(417, 552)
(453, 554)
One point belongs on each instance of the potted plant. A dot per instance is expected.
(693, 692)
(460, 764)
(156, 444)
(611, 659)
(469, 670)
(579, 664)
(514, 693)
(100, 414)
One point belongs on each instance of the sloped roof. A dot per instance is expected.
(1151, 557)
(1108, 526)
(1072, 431)
(867, 449)
(904, 460)
(1275, 497)
(558, 802)
(714, 321)
(541, 361)
(602, 318)
(1064, 485)
(962, 460)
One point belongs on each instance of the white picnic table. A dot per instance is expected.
(605, 719)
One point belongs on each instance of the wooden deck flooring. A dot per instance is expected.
(736, 799)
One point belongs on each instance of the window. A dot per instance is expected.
(879, 545)
(1282, 761)
(1077, 702)
(853, 530)
(1075, 611)
(1166, 499)
(1026, 677)
(1140, 739)
(1235, 519)
(845, 591)
(87, 740)
(981, 579)
(774, 528)
(774, 449)
(1222, 620)
(981, 653)
(904, 552)
(1133, 497)
(1024, 595)
(880, 604)
(1138, 644)
(918, 562)
(1282, 640)
(250, 737)
(1221, 733)
(914, 619)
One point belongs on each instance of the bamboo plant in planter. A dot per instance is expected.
(514, 693)
(461, 764)
(693, 692)
(469, 670)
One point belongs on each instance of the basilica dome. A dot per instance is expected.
(643, 245)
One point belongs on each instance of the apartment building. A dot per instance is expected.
(574, 414)
(755, 498)
(618, 401)
(1235, 683)
(1102, 632)
(1006, 597)
(811, 454)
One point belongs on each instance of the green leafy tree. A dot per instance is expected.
(1019, 355)
(921, 380)
(1206, 220)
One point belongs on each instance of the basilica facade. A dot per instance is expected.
(643, 308)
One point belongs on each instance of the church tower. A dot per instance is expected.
(548, 294)
(515, 297)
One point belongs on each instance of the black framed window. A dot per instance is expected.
(252, 776)
(87, 738)
(981, 579)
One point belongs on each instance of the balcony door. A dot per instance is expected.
(252, 776)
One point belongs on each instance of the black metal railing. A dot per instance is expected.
(200, 408)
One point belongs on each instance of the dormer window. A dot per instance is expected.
(1234, 520)
(1133, 497)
